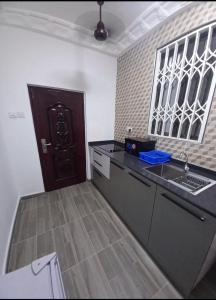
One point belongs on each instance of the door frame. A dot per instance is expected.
(29, 85)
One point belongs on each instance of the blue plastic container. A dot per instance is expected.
(155, 157)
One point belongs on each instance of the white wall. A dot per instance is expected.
(8, 203)
(27, 57)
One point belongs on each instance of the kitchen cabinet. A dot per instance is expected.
(102, 163)
(101, 182)
(132, 196)
(138, 205)
(117, 184)
(180, 238)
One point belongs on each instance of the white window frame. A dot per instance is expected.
(162, 112)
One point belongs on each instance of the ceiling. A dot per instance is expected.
(75, 21)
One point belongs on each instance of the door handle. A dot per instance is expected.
(45, 145)
(98, 163)
(201, 218)
(115, 164)
(140, 180)
(98, 153)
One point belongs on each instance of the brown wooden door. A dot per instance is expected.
(60, 130)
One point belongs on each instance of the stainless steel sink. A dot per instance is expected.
(166, 171)
(190, 182)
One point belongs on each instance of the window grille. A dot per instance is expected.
(184, 83)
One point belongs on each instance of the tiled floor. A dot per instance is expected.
(98, 256)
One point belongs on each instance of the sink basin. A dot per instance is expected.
(190, 182)
(166, 171)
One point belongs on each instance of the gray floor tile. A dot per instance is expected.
(27, 204)
(109, 211)
(45, 244)
(82, 205)
(53, 196)
(85, 187)
(96, 234)
(57, 214)
(74, 284)
(137, 271)
(65, 248)
(22, 254)
(107, 226)
(25, 226)
(69, 192)
(110, 263)
(139, 254)
(124, 288)
(95, 280)
(82, 243)
(99, 197)
(42, 200)
(92, 202)
(98, 256)
(44, 219)
(122, 229)
(70, 209)
(168, 292)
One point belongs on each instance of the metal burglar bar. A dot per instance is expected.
(167, 106)
(189, 63)
(178, 86)
(164, 70)
(205, 54)
(184, 84)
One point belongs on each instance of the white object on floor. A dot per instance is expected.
(40, 280)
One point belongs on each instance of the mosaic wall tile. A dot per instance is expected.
(134, 86)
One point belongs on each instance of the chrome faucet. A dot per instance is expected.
(184, 155)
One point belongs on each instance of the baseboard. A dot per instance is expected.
(10, 237)
(25, 197)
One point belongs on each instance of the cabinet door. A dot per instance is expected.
(138, 205)
(180, 238)
(101, 182)
(117, 186)
(102, 163)
(132, 196)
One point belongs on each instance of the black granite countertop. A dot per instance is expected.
(206, 200)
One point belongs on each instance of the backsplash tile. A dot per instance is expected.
(134, 86)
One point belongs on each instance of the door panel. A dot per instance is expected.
(138, 205)
(117, 185)
(101, 182)
(132, 197)
(60, 130)
(180, 239)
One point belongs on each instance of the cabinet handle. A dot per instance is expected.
(98, 163)
(98, 153)
(96, 171)
(140, 180)
(201, 218)
(115, 164)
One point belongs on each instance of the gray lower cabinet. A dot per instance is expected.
(132, 196)
(177, 235)
(180, 238)
(101, 182)
(117, 184)
(138, 205)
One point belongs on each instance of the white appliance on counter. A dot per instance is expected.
(40, 280)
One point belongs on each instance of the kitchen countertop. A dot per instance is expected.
(206, 200)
